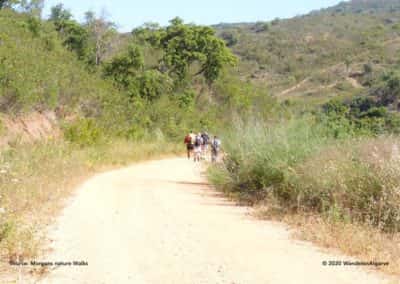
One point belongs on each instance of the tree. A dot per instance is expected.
(152, 84)
(125, 67)
(75, 37)
(127, 72)
(102, 33)
(59, 14)
(185, 46)
(144, 33)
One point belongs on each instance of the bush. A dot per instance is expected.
(361, 115)
(83, 132)
(230, 38)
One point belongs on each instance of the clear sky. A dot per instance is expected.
(129, 14)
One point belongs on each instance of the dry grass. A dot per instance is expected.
(336, 170)
(359, 241)
(36, 179)
(356, 180)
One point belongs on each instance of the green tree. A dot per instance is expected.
(146, 33)
(127, 71)
(152, 84)
(60, 14)
(75, 37)
(186, 46)
(126, 66)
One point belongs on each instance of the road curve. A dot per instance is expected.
(158, 222)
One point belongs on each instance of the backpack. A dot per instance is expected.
(216, 144)
(205, 138)
(197, 141)
(188, 139)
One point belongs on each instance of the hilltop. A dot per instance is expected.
(366, 6)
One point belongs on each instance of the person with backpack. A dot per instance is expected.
(189, 141)
(215, 149)
(204, 146)
(198, 141)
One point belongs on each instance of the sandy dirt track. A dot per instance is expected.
(158, 222)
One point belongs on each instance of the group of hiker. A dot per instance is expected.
(198, 145)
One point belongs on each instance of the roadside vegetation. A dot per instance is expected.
(320, 172)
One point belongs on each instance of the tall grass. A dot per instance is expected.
(302, 167)
(356, 181)
(34, 179)
(260, 157)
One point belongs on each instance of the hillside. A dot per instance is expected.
(319, 55)
(38, 73)
(366, 6)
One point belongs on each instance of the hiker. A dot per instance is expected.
(204, 146)
(215, 148)
(189, 141)
(198, 141)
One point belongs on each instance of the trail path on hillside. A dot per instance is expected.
(159, 222)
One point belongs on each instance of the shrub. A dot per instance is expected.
(230, 38)
(83, 132)
(361, 115)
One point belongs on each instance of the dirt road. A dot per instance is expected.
(158, 222)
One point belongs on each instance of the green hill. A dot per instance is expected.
(37, 72)
(319, 55)
(340, 51)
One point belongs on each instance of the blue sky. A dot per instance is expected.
(130, 14)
